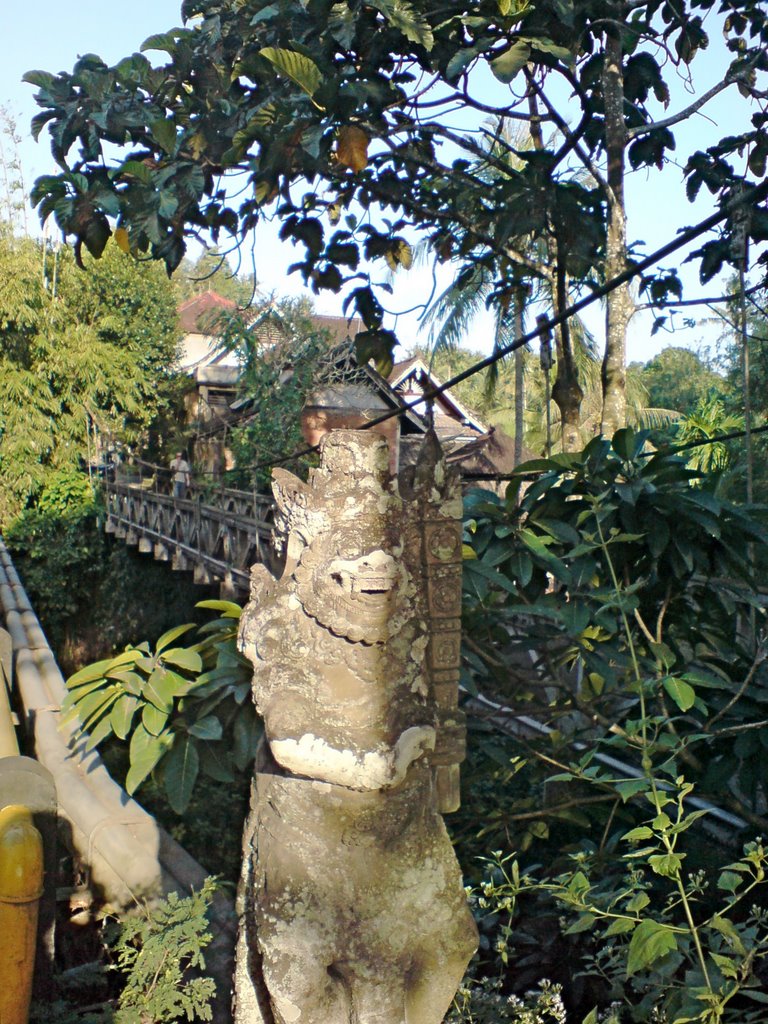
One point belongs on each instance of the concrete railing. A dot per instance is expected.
(128, 857)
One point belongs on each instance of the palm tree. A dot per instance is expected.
(452, 315)
(453, 312)
(534, 273)
(708, 419)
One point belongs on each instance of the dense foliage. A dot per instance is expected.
(274, 382)
(683, 560)
(614, 604)
(334, 110)
(183, 710)
(80, 355)
(679, 379)
(59, 548)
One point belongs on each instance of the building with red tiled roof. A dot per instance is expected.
(212, 405)
(203, 313)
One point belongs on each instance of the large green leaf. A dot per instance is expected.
(247, 730)
(42, 79)
(122, 714)
(300, 69)
(164, 133)
(93, 706)
(89, 673)
(164, 686)
(74, 696)
(181, 657)
(539, 547)
(145, 751)
(650, 942)
(208, 728)
(132, 682)
(403, 17)
(180, 772)
(153, 719)
(682, 693)
(157, 691)
(506, 66)
(172, 634)
(99, 733)
(229, 609)
(166, 41)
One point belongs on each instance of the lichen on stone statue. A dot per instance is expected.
(351, 902)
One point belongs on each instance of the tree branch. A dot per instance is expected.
(760, 657)
(682, 115)
(665, 304)
(572, 140)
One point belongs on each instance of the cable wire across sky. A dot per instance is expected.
(758, 194)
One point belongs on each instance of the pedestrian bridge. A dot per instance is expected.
(217, 533)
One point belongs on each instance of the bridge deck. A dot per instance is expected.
(216, 533)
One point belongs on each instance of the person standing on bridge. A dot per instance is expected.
(181, 475)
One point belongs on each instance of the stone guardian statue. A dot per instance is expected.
(352, 909)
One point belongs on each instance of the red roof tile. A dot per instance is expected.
(200, 315)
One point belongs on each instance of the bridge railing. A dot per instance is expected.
(218, 533)
(158, 479)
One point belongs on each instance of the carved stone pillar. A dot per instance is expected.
(351, 902)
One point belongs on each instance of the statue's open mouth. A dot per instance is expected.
(369, 580)
(372, 592)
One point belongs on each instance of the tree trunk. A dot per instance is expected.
(567, 393)
(619, 306)
(519, 388)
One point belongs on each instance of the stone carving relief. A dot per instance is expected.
(351, 901)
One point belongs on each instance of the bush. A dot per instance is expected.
(636, 592)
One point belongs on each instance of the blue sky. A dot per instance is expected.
(51, 35)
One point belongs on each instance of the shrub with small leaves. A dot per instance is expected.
(161, 954)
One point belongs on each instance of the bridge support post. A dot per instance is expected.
(227, 588)
(201, 575)
(179, 561)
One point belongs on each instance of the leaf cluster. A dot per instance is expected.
(324, 108)
(684, 580)
(629, 941)
(160, 952)
(631, 582)
(182, 710)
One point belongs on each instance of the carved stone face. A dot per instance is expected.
(357, 593)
